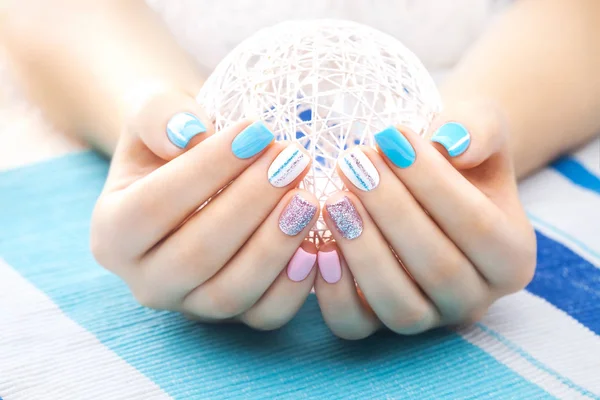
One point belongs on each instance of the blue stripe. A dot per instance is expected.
(285, 164)
(568, 281)
(45, 211)
(577, 173)
(364, 185)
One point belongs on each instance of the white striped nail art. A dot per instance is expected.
(359, 170)
(287, 166)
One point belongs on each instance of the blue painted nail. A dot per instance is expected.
(182, 127)
(396, 147)
(454, 137)
(252, 140)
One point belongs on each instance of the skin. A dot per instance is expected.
(201, 262)
(526, 91)
(462, 237)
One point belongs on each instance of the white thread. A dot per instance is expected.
(326, 84)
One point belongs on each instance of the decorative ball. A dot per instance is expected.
(326, 84)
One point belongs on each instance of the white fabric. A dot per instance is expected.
(46, 355)
(538, 341)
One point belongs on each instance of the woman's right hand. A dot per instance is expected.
(181, 243)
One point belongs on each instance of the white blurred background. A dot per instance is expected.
(438, 31)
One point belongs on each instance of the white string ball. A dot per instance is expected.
(326, 84)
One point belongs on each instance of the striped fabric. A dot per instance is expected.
(71, 330)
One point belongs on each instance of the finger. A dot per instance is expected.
(211, 237)
(287, 294)
(169, 123)
(467, 216)
(344, 310)
(478, 147)
(248, 275)
(439, 268)
(469, 134)
(141, 214)
(388, 289)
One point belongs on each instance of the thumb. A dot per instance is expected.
(468, 134)
(168, 123)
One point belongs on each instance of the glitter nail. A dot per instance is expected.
(345, 218)
(296, 216)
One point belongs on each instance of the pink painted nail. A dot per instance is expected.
(329, 265)
(300, 265)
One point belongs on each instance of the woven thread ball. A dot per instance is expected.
(326, 84)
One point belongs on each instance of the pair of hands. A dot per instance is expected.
(214, 226)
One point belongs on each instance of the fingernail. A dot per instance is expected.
(182, 127)
(359, 170)
(329, 266)
(296, 216)
(252, 140)
(300, 265)
(346, 219)
(454, 137)
(396, 147)
(287, 166)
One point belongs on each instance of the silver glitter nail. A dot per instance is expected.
(296, 216)
(345, 218)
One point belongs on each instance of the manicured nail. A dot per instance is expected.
(296, 216)
(300, 265)
(396, 147)
(454, 137)
(345, 218)
(329, 266)
(252, 140)
(182, 127)
(359, 170)
(287, 166)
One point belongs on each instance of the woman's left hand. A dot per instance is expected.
(432, 231)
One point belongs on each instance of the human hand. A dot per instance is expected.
(163, 224)
(431, 236)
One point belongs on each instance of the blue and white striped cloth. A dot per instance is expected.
(71, 330)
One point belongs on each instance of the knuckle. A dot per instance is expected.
(147, 298)
(528, 259)
(459, 310)
(475, 316)
(471, 318)
(98, 243)
(522, 275)
(412, 321)
(105, 237)
(265, 321)
(104, 252)
(99, 249)
(520, 266)
(525, 275)
(224, 304)
(486, 223)
(442, 271)
(354, 333)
